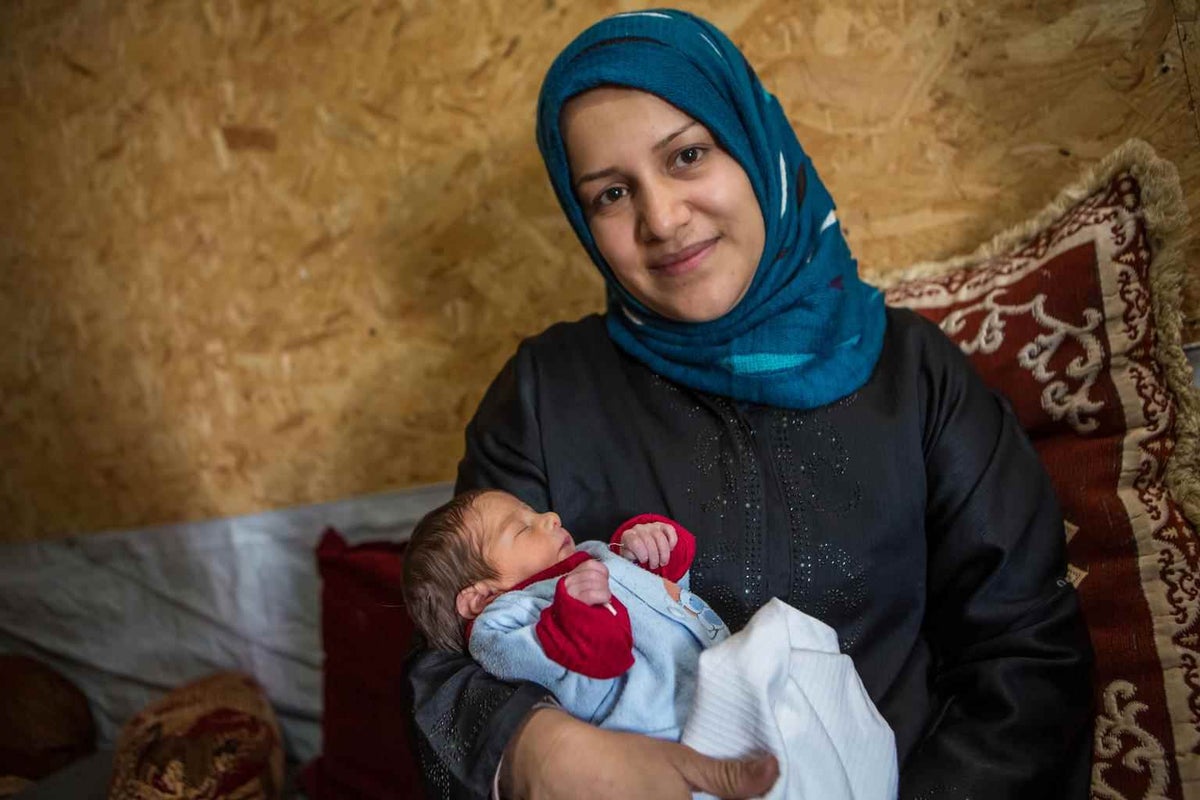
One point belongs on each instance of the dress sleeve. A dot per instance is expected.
(1012, 658)
(462, 721)
(504, 439)
(463, 716)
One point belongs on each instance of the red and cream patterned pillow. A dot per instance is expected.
(1075, 317)
(214, 739)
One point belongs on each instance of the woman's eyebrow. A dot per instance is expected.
(666, 140)
(591, 176)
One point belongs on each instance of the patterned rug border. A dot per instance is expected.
(1166, 217)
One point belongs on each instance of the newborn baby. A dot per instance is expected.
(614, 633)
(611, 629)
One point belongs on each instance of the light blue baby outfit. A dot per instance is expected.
(655, 695)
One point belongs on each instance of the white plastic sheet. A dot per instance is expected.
(129, 615)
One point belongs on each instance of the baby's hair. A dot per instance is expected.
(441, 559)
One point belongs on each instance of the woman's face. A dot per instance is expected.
(672, 213)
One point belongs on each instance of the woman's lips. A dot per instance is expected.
(684, 260)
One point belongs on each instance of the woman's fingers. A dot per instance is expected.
(556, 757)
(727, 778)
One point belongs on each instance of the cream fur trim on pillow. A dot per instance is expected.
(1166, 217)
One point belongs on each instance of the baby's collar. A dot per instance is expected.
(553, 571)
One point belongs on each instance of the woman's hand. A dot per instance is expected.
(554, 756)
(588, 583)
(649, 543)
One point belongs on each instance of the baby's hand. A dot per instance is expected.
(588, 583)
(649, 543)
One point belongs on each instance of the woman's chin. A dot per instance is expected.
(701, 310)
(697, 303)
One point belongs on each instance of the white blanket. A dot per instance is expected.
(781, 685)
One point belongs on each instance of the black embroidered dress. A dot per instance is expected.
(912, 516)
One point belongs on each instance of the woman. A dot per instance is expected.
(824, 449)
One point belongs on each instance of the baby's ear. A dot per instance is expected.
(472, 600)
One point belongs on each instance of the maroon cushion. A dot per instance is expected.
(367, 753)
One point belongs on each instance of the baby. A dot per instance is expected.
(613, 632)
(615, 637)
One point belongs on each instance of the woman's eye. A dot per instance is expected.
(610, 195)
(688, 156)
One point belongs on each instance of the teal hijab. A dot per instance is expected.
(808, 331)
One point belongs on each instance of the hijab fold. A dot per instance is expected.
(808, 331)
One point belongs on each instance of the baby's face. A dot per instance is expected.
(517, 541)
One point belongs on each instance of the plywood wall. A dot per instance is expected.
(254, 254)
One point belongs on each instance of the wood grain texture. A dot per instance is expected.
(258, 254)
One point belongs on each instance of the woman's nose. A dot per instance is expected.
(662, 210)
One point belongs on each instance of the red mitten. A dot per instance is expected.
(682, 554)
(590, 640)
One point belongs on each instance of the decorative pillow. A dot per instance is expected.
(45, 720)
(214, 738)
(1075, 317)
(367, 752)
